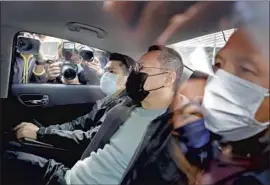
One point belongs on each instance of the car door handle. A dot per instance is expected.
(34, 100)
(43, 101)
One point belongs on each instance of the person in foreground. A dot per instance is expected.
(235, 106)
(77, 134)
(123, 136)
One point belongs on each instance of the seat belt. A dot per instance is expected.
(115, 117)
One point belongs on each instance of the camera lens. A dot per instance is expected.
(70, 74)
(25, 44)
(69, 70)
(87, 55)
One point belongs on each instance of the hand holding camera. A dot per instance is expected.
(73, 57)
(65, 70)
(54, 70)
(74, 81)
(68, 68)
(95, 64)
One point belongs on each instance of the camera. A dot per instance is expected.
(86, 54)
(69, 70)
(27, 45)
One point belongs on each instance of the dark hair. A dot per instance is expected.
(127, 61)
(171, 59)
(155, 48)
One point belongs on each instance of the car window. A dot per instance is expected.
(45, 59)
(203, 49)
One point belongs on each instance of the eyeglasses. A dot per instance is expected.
(139, 67)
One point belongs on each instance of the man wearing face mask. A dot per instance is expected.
(116, 73)
(236, 101)
(64, 135)
(236, 107)
(118, 148)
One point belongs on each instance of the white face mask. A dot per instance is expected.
(108, 83)
(231, 104)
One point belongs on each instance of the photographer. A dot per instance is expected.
(29, 63)
(69, 69)
(91, 65)
(54, 72)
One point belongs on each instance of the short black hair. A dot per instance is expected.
(127, 61)
(171, 59)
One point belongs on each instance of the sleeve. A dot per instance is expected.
(76, 140)
(83, 123)
(195, 142)
(78, 131)
(78, 124)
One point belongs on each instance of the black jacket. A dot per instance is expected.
(77, 134)
(151, 162)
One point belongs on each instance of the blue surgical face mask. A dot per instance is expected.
(108, 83)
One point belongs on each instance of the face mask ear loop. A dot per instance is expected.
(156, 88)
(158, 74)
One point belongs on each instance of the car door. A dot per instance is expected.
(48, 103)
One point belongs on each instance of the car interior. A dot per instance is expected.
(86, 23)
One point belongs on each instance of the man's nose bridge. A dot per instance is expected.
(228, 66)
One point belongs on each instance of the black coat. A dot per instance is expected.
(152, 162)
(77, 134)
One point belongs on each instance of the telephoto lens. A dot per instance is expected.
(87, 54)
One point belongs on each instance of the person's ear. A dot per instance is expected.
(170, 79)
(262, 114)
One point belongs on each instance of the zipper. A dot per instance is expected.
(27, 70)
(26, 60)
(24, 69)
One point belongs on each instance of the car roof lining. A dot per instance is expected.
(46, 18)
